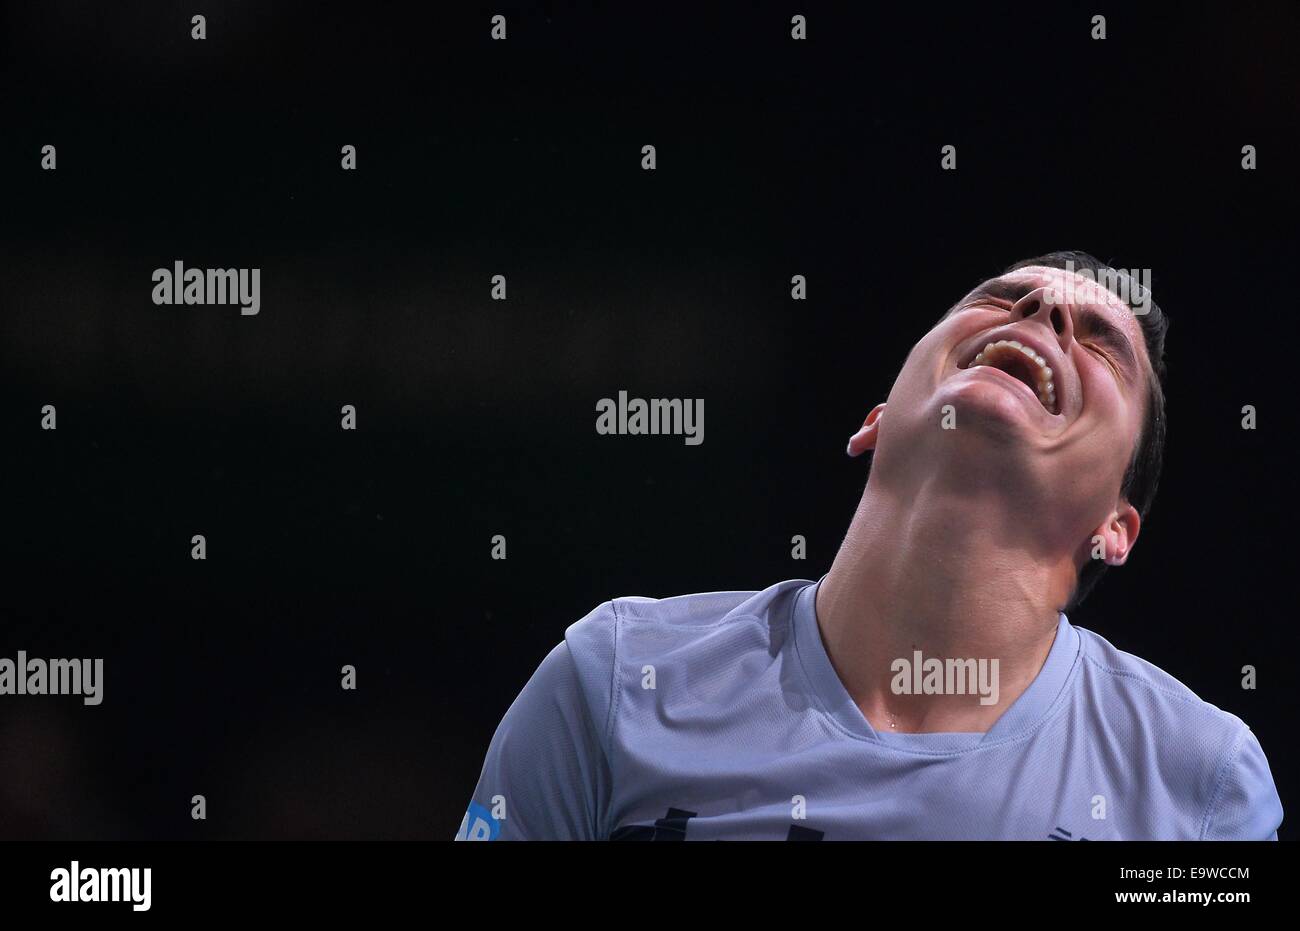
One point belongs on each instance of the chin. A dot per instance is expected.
(989, 409)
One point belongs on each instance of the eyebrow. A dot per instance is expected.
(1002, 290)
(1091, 319)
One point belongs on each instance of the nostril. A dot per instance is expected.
(1058, 320)
(1031, 308)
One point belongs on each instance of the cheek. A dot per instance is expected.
(909, 377)
(912, 392)
(924, 364)
(905, 388)
(1111, 422)
(1107, 404)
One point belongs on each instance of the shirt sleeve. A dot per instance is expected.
(546, 775)
(1246, 805)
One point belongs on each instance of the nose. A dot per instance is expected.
(1038, 305)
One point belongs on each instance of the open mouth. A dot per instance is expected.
(1022, 364)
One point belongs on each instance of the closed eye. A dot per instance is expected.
(1098, 350)
(1101, 331)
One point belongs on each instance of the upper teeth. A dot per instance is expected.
(1046, 387)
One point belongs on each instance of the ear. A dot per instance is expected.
(865, 438)
(1118, 534)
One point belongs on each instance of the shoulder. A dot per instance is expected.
(642, 622)
(1197, 750)
(683, 629)
(1147, 691)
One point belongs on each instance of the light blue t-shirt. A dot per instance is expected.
(719, 716)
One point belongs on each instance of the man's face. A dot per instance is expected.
(1059, 414)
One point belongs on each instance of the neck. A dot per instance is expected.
(932, 569)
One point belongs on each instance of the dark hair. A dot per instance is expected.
(1143, 473)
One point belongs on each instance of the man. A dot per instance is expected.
(929, 686)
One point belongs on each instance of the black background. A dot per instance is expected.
(476, 417)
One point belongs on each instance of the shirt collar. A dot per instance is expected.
(1025, 712)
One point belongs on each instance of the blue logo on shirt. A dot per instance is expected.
(478, 824)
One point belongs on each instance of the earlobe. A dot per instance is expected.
(865, 438)
(1119, 534)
